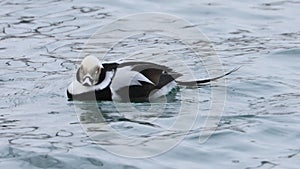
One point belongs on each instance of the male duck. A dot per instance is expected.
(124, 82)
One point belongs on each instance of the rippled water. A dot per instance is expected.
(39, 47)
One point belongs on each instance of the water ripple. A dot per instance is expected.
(39, 46)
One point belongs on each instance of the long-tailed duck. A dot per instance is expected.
(124, 82)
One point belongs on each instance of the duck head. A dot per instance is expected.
(89, 71)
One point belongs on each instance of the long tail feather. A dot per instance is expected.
(199, 82)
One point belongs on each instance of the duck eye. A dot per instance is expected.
(97, 71)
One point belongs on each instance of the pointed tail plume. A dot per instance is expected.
(202, 81)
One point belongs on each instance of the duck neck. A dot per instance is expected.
(101, 76)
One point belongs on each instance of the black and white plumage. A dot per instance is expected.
(124, 82)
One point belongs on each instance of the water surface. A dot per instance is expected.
(39, 47)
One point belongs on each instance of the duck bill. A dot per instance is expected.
(87, 82)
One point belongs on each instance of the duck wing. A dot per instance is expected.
(135, 81)
(157, 74)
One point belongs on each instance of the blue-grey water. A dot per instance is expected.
(40, 42)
